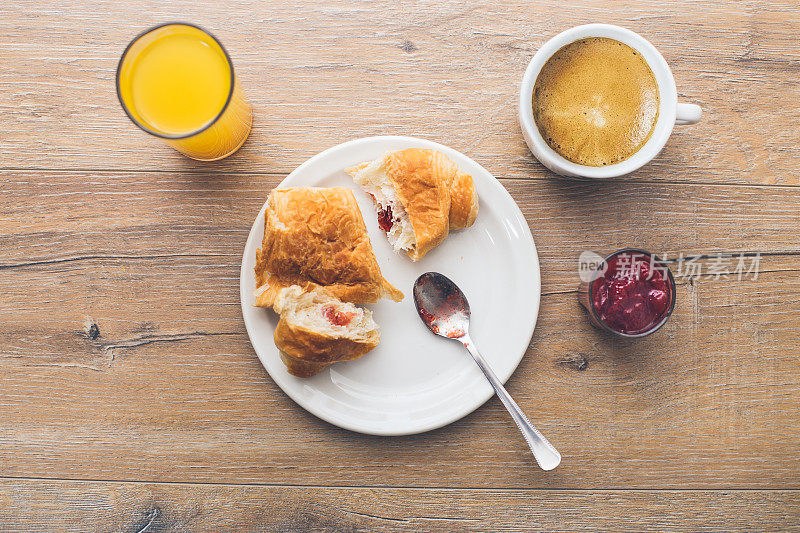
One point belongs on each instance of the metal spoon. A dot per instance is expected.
(444, 309)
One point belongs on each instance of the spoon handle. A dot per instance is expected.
(544, 452)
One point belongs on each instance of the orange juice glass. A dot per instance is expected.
(176, 81)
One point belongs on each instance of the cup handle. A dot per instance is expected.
(688, 114)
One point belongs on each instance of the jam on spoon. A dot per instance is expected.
(631, 294)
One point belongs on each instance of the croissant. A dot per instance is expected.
(316, 237)
(420, 195)
(316, 330)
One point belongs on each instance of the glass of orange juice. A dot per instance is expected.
(176, 81)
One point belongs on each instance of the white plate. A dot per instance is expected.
(414, 381)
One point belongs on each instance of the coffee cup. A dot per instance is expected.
(670, 111)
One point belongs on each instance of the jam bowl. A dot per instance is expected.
(630, 293)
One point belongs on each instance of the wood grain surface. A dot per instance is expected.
(319, 75)
(146, 507)
(132, 401)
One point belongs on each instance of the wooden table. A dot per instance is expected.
(132, 401)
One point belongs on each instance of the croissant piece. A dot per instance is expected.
(316, 330)
(420, 195)
(316, 237)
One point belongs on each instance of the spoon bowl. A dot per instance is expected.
(441, 305)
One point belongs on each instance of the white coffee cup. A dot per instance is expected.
(670, 112)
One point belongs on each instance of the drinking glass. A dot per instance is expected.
(176, 81)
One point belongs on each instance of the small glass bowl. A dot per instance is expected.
(586, 300)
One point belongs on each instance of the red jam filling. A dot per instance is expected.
(385, 218)
(337, 318)
(633, 295)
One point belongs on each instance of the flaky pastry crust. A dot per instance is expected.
(436, 195)
(306, 351)
(463, 200)
(420, 179)
(316, 237)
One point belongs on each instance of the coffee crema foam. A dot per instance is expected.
(596, 101)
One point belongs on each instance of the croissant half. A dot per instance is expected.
(316, 330)
(316, 237)
(420, 195)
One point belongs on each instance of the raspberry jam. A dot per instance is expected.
(633, 296)
(385, 218)
(337, 318)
